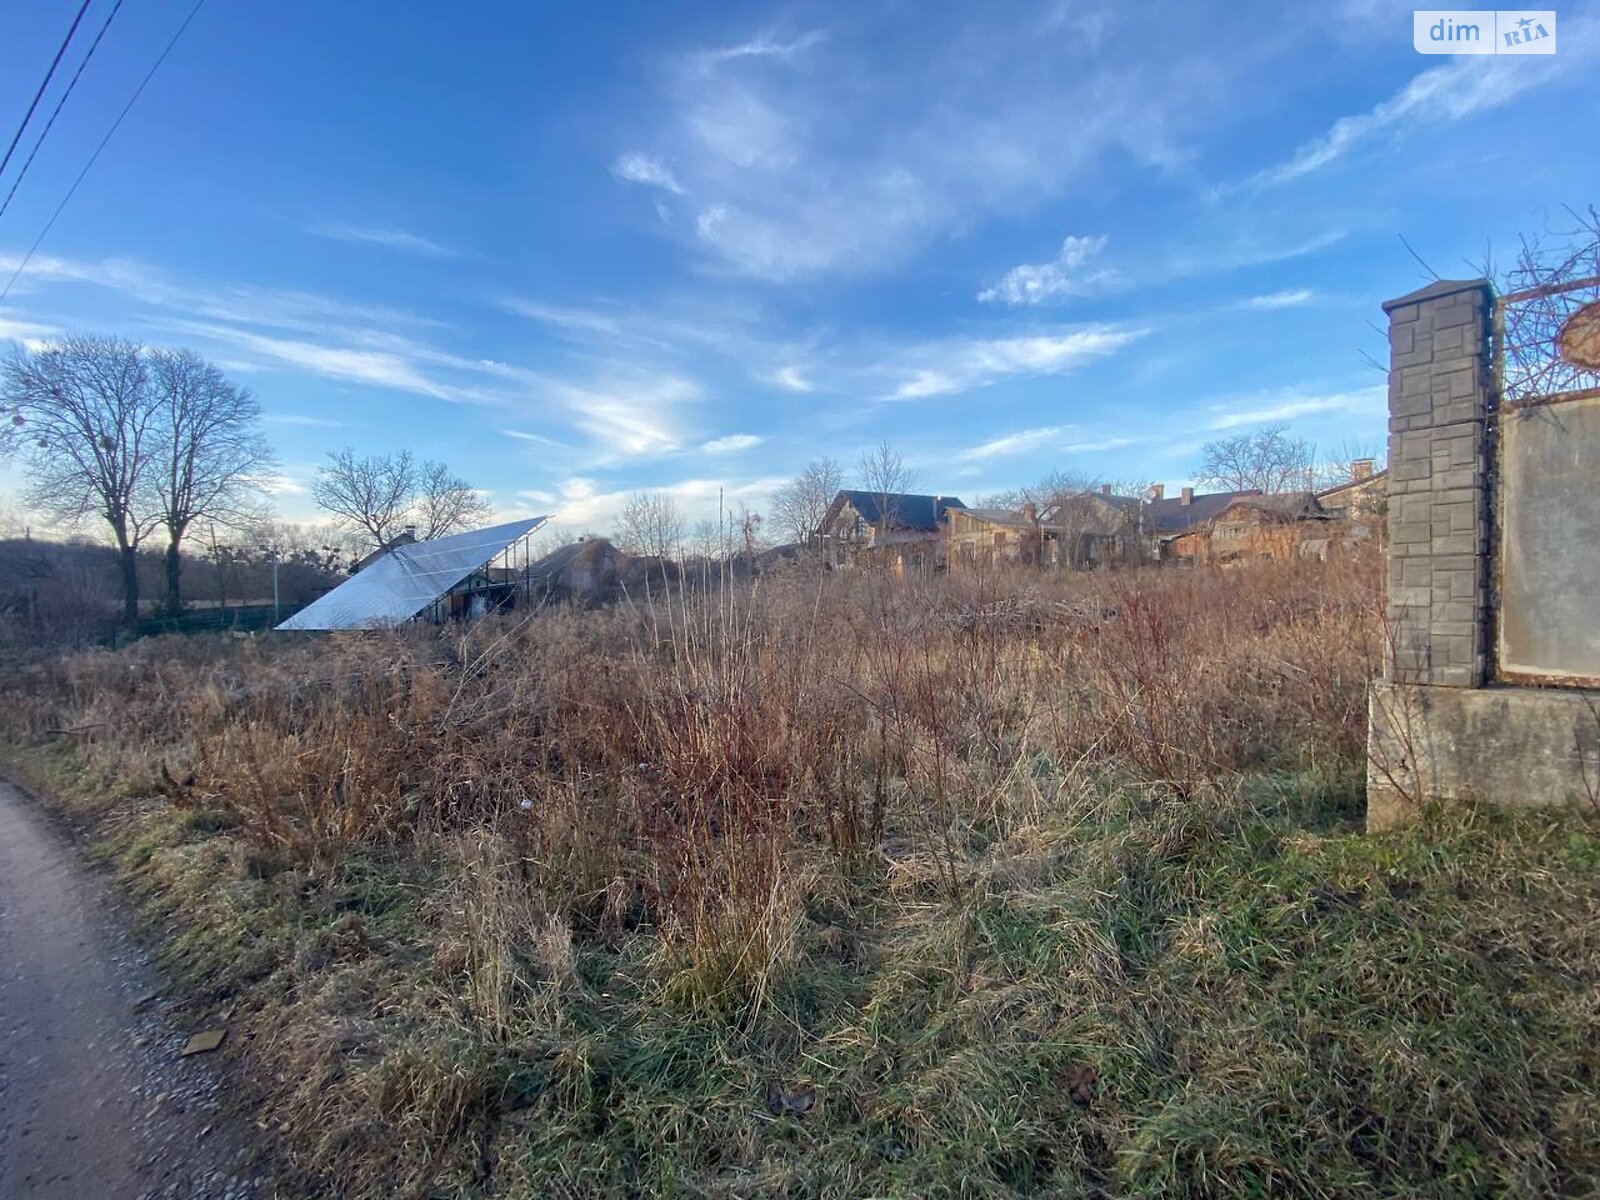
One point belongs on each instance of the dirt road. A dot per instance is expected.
(94, 1099)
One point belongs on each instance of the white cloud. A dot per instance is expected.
(300, 420)
(537, 439)
(30, 333)
(803, 164)
(648, 170)
(581, 503)
(1047, 437)
(385, 236)
(792, 379)
(1016, 443)
(1292, 298)
(629, 416)
(1033, 283)
(374, 367)
(765, 46)
(301, 312)
(1265, 410)
(284, 485)
(961, 365)
(1465, 86)
(731, 443)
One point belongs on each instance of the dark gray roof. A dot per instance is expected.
(1171, 515)
(906, 511)
(1292, 505)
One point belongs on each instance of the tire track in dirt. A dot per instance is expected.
(94, 1098)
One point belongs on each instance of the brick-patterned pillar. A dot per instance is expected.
(1440, 397)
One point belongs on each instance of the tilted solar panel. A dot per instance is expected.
(406, 580)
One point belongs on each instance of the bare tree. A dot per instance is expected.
(383, 493)
(208, 453)
(1269, 460)
(799, 505)
(650, 523)
(85, 413)
(707, 539)
(884, 473)
(373, 493)
(446, 503)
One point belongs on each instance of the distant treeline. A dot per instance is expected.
(71, 592)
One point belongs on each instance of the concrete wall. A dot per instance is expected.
(1550, 542)
(1438, 729)
(1504, 745)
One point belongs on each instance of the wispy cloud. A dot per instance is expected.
(1034, 283)
(284, 485)
(731, 443)
(945, 368)
(25, 331)
(301, 420)
(1466, 86)
(1020, 442)
(1289, 298)
(1055, 438)
(378, 368)
(792, 379)
(792, 163)
(1286, 407)
(535, 439)
(648, 170)
(629, 416)
(765, 46)
(581, 502)
(386, 236)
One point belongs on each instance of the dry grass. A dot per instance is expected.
(1048, 884)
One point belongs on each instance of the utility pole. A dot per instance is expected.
(272, 554)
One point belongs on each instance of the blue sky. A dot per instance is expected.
(580, 250)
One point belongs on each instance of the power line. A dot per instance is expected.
(56, 112)
(39, 95)
(127, 108)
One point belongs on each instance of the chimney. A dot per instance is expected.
(1158, 490)
(1360, 468)
(1187, 497)
(412, 531)
(1105, 489)
(1030, 513)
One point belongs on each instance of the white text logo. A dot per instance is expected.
(1483, 31)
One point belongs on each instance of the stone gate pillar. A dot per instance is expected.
(1440, 398)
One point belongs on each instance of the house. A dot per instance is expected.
(1095, 529)
(407, 537)
(978, 537)
(1361, 503)
(1254, 526)
(894, 529)
(1167, 518)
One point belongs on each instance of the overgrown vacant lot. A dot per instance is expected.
(848, 887)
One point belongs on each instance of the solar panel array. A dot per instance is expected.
(408, 579)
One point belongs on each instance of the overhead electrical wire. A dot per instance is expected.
(56, 112)
(39, 95)
(115, 125)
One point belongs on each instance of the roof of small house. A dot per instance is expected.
(407, 538)
(1170, 515)
(1287, 506)
(1008, 518)
(1378, 480)
(906, 511)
